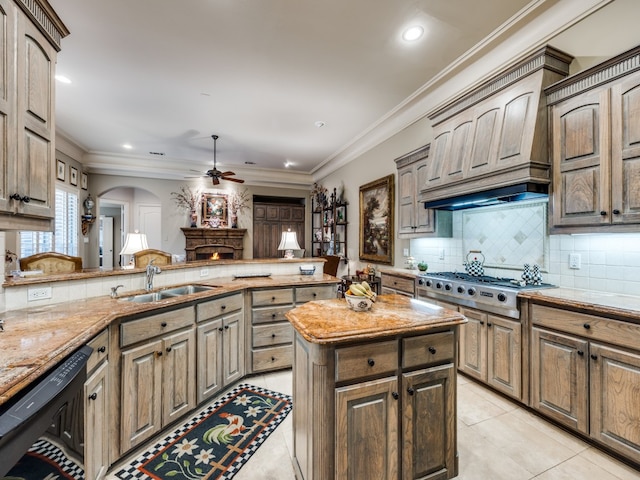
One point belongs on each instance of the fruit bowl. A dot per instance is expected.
(358, 303)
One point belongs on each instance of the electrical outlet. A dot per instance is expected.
(204, 272)
(39, 293)
(442, 254)
(574, 261)
(405, 252)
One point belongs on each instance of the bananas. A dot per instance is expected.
(362, 289)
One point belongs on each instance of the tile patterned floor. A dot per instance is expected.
(497, 440)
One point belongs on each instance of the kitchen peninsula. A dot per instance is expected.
(375, 391)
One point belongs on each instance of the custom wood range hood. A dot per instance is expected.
(490, 144)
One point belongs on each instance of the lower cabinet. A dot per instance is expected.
(399, 284)
(491, 351)
(158, 376)
(585, 373)
(389, 405)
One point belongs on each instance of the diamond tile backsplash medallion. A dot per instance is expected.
(508, 236)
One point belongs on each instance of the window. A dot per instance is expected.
(64, 239)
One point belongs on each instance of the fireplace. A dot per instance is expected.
(203, 243)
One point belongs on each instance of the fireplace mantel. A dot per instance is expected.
(206, 241)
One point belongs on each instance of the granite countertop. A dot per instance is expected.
(35, 339)
(625, 307)
(408, 273)
(332, 322)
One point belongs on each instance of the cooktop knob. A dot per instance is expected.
(420, 281)
(429, 283)
(448, 286)
(502, 297)
(471, 291)
(439, 285)
(460, 289)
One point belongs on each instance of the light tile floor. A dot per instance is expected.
(497, 440)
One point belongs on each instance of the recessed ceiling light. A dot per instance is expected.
(127, 146)
(288, 164)
(412, 34)
(62, 79)
(319, 124)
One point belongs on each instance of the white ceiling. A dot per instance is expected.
(258, 74)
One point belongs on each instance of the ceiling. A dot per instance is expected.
(258, 74)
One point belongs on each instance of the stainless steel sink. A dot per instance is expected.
(167, 293)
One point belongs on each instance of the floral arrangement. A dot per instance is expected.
(320, 194)
(186, 198)
(238, 201)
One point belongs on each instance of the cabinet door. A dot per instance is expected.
(232, 348)
(96, 424)
(625, 150)
(615, 399)
(559, 378)
(367, 430)
(178, 380)
(406, 200)
(504, 355)
(473, 344)
(428, 421)
(141, 407)
(424, 218)
(7, 104)
(209, 365)
(581, 160)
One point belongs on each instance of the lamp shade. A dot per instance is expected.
(134, 243)
(288, 243)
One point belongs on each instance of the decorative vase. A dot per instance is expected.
(536, 276)
(527, 274)
(234, 220)
(193, 218)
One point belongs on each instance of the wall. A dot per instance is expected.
(609, 262)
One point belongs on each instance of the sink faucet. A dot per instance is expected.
(114, 291)
(151, 271)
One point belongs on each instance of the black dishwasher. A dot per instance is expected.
(27, 417)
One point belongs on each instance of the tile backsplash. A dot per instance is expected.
(608, 262)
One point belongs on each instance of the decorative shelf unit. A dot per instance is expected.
(328, 226)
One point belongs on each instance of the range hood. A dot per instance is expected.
(495, 196)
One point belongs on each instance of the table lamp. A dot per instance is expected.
(288, 243)
(134, 242)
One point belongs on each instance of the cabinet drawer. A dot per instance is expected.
(144, 328)
(271, 297)
(366, 360)
(307, 294)
(272, 358)
(219, 306)
(588, 326)
(398, 283)
(427, 349)
(267, 315)
(274, 334)
(100, 345)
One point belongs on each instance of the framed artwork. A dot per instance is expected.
(376, 220)
(84, 181)
(214, 210)
(73, 176)
(60, 170)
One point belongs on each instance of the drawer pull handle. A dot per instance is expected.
(395, 395)
(222, 307)
(168, 349)
(315, 294)
(163, 324)
(371, 362)
(432, 350)
(93, 396)
(273, 299)
(586, 326)
(159, 353)
(219, 329)
(410, 391)
(226, 327)
(489, 324)
(580, 353)
(273, 335)
(273, 315)
(616, 211)
(273, 359)
(594, 357)
(102, 349)
(481, 322)
(603, 213)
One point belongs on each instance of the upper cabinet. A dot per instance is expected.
(496, 134)
(29, 42)
(413, 219)
(595, 137)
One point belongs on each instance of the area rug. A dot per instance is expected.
(44, 460)
(214, 444)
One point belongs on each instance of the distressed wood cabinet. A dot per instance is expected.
(393, 283)
(595, 138)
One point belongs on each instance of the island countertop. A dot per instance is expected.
(332, 322)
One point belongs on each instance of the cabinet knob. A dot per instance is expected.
(168, 349)
(432, 350)
(489, 324)
(593, 356)
(273, 299)
(26, 199)
(273, 359)
(603, 213)
(616, 211)
(395, 395)
(273, 315)
(586, 326)
(410, 391)
(222, 307)
(219, 329)
(102, 349)
(371, 362)
(163, 324)
(226, 327)
(93, 396)
(580, 353)
(315, 294)
(273, 335)
(159, 353)
(481, 322)
(16, 196)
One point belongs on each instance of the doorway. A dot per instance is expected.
(271, 217)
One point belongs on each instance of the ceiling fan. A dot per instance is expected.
(215, 174)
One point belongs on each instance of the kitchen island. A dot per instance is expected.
(375, 391)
